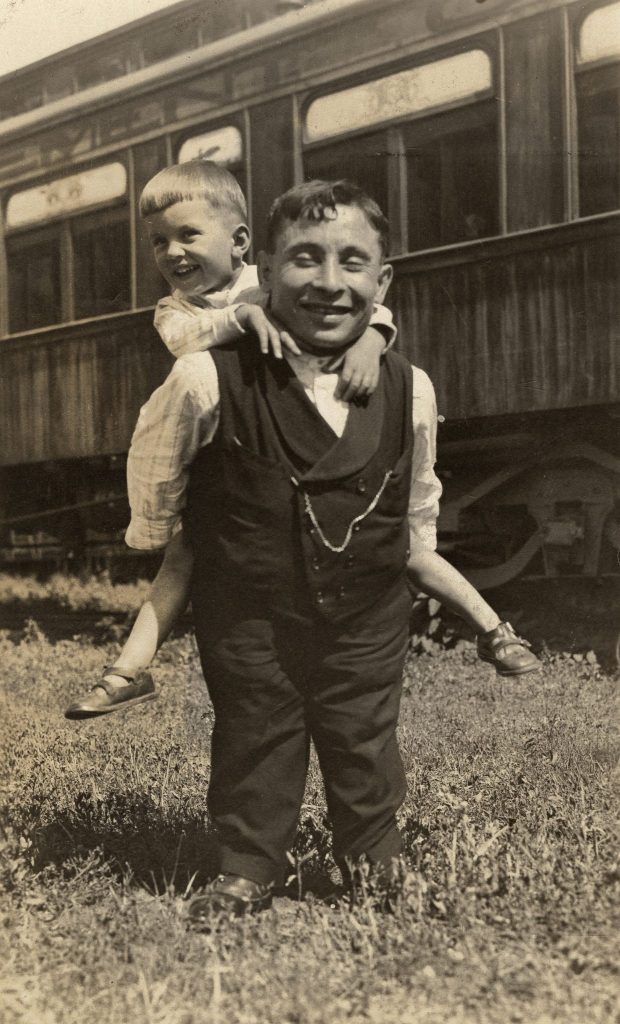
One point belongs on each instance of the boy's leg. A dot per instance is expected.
(167, 600)
(126, 683)
(437, 578)
(498, 643)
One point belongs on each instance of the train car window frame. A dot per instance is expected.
(597, 108)
(63, 226)
(396, 199)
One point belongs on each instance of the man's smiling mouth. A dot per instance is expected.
(322, 309)
(184, 271)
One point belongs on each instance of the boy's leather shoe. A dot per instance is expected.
(104, 698)
(509, 653)
(229, 894)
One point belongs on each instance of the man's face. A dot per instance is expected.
(324, 278)
(197, 248)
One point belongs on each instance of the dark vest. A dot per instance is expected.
(285, 518)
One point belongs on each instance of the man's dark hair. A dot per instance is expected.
(317, 201)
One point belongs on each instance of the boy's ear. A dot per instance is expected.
(264, 264)
(385, 279)
(241, 240)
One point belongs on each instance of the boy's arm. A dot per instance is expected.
(195, 329)
(383, 322)
(360, 370)
(425, 489)
(185, 328)
(178, 419)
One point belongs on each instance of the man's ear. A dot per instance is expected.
(264, 264)
(241, 241)
(385, 279)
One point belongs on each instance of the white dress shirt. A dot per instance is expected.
(182, 416)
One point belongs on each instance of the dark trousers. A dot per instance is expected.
(275, 686)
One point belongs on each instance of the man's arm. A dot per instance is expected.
(178, 419)
(425, 486)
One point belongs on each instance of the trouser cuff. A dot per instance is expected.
(386, 850)
(256, 869)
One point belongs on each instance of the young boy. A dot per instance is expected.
(196, 215)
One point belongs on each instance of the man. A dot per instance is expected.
(299, 512)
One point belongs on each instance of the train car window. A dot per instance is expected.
(65, 196)
(66, 259)
(436, 169)
(598, 110)
(452, 177)
(101, 248)
(34, 262)
(408, 92)
(223, 145)
(363, 159)
(600, 34)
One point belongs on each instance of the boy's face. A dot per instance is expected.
(198, 248)
(324, 278)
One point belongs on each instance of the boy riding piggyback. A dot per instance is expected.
(196, 216)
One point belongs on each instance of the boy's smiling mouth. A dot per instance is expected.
(185, 270)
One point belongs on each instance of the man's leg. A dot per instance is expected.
(259, 751)
(354, 713)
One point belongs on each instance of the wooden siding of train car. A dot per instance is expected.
(76, 391)
(536, 185)
(520, 324)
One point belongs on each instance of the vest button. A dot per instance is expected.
(357, 527)
(341, 592)
(319, 597)
(361, 486)
(350, 560)
(316, 565)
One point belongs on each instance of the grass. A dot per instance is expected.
(507, 907)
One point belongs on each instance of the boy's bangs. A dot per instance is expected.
(196, 179)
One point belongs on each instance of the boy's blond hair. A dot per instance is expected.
(194, 179)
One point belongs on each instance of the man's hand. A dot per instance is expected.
(253, 318)
(360, 371)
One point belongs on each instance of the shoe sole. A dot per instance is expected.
(80, 713)
(514, 671)
(212, 918)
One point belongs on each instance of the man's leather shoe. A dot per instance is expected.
(509, 653)
(104, 698)
(228, 894)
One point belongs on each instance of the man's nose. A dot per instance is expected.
(328, 277)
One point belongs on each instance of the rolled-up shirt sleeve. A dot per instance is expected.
(179, 418)
(426, 488)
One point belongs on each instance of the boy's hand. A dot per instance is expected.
(360, 372)
(253, 318)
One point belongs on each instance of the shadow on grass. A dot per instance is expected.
(162, 849)
(153, 847)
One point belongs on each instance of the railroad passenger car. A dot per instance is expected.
(489, 132)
